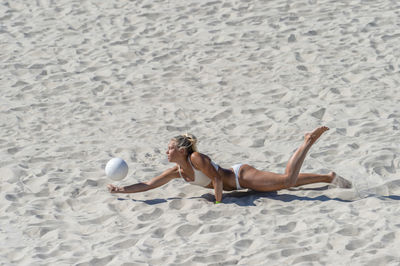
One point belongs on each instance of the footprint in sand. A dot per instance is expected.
(124, 244)
(151, 216)
(289, 227)
(215, 229)
(356, 244)
(243, 244)
(186, 230)
(209, 216)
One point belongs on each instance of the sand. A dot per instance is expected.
(85, 81)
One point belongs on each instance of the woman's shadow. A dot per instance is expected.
(250, 197)
(247, 198)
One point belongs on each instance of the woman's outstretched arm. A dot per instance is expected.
(155, 182)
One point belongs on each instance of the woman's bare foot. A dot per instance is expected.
(339, 181)
(312, 136)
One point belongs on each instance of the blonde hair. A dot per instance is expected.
(187, 141)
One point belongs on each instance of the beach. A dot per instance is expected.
(85, 81)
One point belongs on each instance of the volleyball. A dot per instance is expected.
(116, 169)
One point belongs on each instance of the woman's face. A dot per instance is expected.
(172, 151)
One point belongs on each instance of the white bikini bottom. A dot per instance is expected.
(236, 169)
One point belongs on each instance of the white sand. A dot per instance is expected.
(84, 81)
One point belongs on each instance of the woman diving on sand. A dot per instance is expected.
(198, 169)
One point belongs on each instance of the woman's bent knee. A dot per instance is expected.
(290, 180)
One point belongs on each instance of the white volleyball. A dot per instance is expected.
(116, 169)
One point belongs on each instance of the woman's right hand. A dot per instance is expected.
(113, 189)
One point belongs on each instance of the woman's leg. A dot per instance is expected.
(306, 178)
(267, 181)
(296, 161)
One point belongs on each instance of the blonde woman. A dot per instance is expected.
(198, 169)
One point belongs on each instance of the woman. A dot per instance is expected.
(198, 169)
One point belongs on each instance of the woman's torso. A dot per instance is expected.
(228, 177)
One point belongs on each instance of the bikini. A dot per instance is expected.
(236, 169)
(200, 179)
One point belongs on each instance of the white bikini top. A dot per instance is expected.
(200, 179)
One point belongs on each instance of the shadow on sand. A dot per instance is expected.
(152, 201)
(249, 197)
